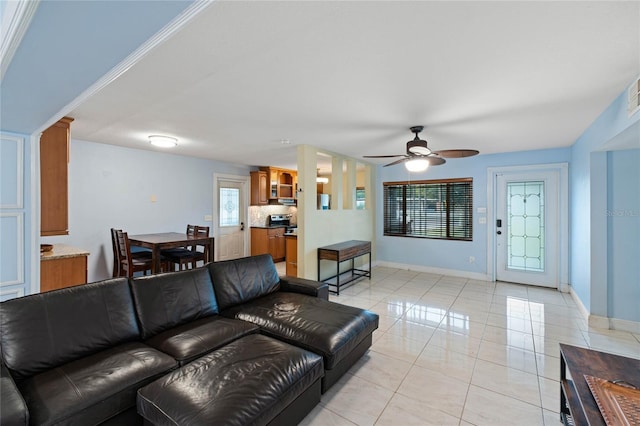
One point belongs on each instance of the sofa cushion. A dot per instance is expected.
(13, 410)
(194, 339)
(95, 388)
(45, 330)
(241, 280)
(164, 301)
(326, 328)
(247, 382)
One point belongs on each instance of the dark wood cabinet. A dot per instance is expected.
(259, 188)
(54, 160)
(292, 255)
(268, 240)
(62, 267)
(276, 244)
(278, 184)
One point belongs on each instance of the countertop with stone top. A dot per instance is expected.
(61, 251)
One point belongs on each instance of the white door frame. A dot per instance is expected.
(563, 209)
(245, 181)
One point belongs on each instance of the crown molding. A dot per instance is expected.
(15, 22)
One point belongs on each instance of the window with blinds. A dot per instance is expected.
(429, 209)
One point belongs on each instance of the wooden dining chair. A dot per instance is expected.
(143, 254)
(128, 264)
(188, 257)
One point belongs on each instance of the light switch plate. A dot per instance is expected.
(482, 220)
(208, 218)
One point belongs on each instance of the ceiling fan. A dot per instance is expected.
(419, 156)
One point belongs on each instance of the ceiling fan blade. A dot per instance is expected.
(393, 163)
(457, 153)
(382, 156)
(435, 161)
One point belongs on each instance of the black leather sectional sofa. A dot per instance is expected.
(229, 343)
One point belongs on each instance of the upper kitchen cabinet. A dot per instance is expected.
(259, 188)
(273, 184)
(54, 160)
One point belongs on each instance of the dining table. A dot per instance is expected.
(167, 240)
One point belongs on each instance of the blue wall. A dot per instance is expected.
(111, 187)
(623, 231)
(453, 255)
(588, 221)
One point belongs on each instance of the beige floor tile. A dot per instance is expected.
(522, 325)
(405, 411)
(507, 381)
(453, 364)
(551, 418)
(454, 322)
(484, 407)
(548, 366)
(412, 330)
(357, 400)
(398, 347)
(381, 369)
(503, 336)
(390, 309)
(508, 356)
(465, 352)
(549, 391)
(456, 342)
(435, 389)
(385, 322)
(322, 416)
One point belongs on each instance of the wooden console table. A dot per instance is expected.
(577, 405)
(340, 252)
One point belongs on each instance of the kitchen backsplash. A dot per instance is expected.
(258, 215)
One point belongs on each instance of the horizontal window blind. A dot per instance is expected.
(429, 209)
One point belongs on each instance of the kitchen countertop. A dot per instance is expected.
(274, 226)
(61, 251)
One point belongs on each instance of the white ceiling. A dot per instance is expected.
(352, 77)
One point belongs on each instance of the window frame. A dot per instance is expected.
(449, 207)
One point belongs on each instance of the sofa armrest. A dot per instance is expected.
(304, 286)
(13, 410)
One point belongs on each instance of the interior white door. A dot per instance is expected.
(232, 211)
(527, 228)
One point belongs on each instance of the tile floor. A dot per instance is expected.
(455, 351)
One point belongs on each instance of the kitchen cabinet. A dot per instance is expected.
(282, 183)
(268, 240)
(291, 249)
(259, 188)
(54, 160)
(62, 267)
(276, 244)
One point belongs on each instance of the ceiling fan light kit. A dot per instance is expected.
(417, 165)
(419, 156)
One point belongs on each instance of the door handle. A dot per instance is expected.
(242, 226)
(499, 232)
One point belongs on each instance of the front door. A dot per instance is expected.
(231, 223)
(527, 228)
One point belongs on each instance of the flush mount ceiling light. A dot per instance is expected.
(163, 141)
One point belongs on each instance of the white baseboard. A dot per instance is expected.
(605, 323)
(583, 309)
(596, 321)
(432, 270)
